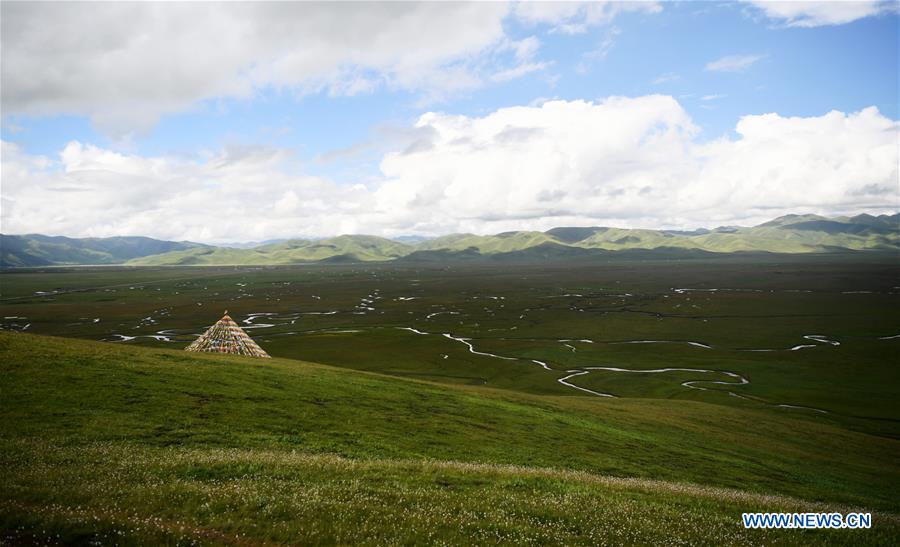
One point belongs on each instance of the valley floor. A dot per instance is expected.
(620, 401)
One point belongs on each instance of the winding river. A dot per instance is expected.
(739, 380)
(735, 379)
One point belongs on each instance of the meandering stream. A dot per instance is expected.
(366, 304)
(739, 380)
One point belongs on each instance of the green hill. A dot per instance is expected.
(40, 250)
(114, 444)
(500, 243)
(573, 234)
(294, 251)
(359, 247)
(787, 234)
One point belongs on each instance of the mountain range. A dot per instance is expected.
(41, 250)
(786, 234)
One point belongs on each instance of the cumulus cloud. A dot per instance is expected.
(124, 65)
(240, 193)
(621, 161)
(816, 14)
(637, 162)
(733, 63)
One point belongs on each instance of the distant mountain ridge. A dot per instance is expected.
(786, 234)
(41, 250)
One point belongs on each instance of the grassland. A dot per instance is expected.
(143, 445)
(359, 316)
(100, 437)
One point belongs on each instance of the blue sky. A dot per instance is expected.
(789, 66)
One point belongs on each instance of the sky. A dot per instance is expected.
(234, 122)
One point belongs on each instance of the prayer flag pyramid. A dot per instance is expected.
(227, 337)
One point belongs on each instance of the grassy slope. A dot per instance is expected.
(489, 244)
(366, 248)
(96, 438)
(358, 246)
(204, 256)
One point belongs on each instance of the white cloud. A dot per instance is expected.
(666, 78)
(126, 64)
(733, 63)
(622, 161)
(600, 52)
(605, 45)
(237, 194)
(712, 97)
(518, 71)
(526, 48)
(808, 13)
(577, 17)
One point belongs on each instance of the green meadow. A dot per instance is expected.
(453, 402)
